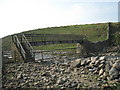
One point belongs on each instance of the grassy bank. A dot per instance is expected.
(93, 32)
(55, 46)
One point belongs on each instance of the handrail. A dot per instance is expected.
(25, 39)
(18, 44)
(27, 45)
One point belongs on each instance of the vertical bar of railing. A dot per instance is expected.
(28, 46)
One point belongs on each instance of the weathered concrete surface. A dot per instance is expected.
(16, 54)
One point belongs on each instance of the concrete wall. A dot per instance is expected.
(15, 54)
(87, 47)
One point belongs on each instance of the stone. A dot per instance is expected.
(25, 78)
(76, 69)
(111, 63)
(83, 72)
(101, 71)
(102, 61)
(113, 73)
(60, 81)
(109, 78)
(102, 58)
(45, 74)
(74, 84)
(83, 62)
(88, 61)
(19, 76)
(96, 72)
(98, 84)
(91, 64)
(117, 65)
(93, 59)
(101, 66)
(97, 63)
(79, 85)
(107, 67)
(105, 74)
(76, 63)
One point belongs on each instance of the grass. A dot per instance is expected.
(92, 32)
(6, 43)
(55, 46)
(53, 37)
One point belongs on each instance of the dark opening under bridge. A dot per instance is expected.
(25, 42)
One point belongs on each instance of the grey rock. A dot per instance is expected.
(102, 61)
(83, 72)
(117, 65)
(101, 71)
(107, 66)
(93, 59)
(76, 63)
(113, 73)
(79, 85)
(60, 81)
(102, 58)
(45, 74)
(98, 84)
(19, 76)
(83, 62)
(88, 61)
(101, 66)
(91, 70)
(74, 84)
(97, 63)
(91, 64)
(96, 72)
(109, 78)
(105, 74)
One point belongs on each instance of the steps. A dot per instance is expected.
(24, 48)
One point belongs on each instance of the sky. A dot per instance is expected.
(23, 15)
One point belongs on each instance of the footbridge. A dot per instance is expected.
(23, 47)
(45, 39)
(24, 42)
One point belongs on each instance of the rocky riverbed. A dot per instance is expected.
(101, 71)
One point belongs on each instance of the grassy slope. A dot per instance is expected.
(6, 43)
(93, 32)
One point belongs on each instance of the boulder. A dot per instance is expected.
(83, 62)
(107, 67)
(117, 65)
(101, 66)
(101, 71)
(19, 76)
(76, 63)
(97, 63)
(102, 58)
(93, 59)
(114, 74)
(88, 61)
